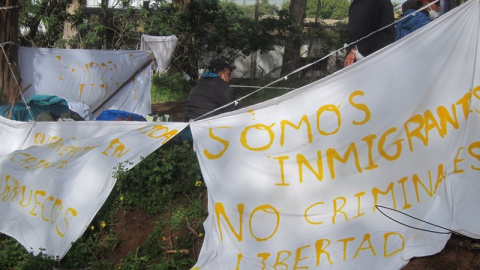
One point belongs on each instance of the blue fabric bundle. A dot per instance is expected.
(118, 115)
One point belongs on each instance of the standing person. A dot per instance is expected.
(364, 18)
(446, 5)
(412, 20)
(211, 92)
(433, 10)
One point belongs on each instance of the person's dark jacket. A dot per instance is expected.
(367, 16)
(210, 93)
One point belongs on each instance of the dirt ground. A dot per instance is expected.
(460, 253)
(176, 109)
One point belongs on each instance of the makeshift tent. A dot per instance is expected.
(101, 79)
(301, 181)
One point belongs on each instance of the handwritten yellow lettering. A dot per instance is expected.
(416, 132)
(50, 198)
(321, 246)
(366, 239)
(58, 205)
(120, 148)
(302, 161)
(337, 209)
(267, 209)
(280, 261)
(304, 119)
(307, 215)
(264, 256)
(281, 160)
(369, 140)
(10, 190)
(458, 160)
(74, 214)
(402, 181)
(431, 124)
(161, 131)
(23, 197)
(445, 118)
(471, 150)
(376, 191)
(333, 109)
(258, 127)
(416, 181)
(223, 142)
(36, 201)
(333, 154)
(381, 146)
(298, 258)
(239, 259)
(359, 213)
(441, 175)
(465, 103)
(220, 210)
(386, 245)
(360, 106)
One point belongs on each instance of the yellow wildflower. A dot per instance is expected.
(121, 198)
(103, 224)
(198, 183)
(200, 235)
(92, 227)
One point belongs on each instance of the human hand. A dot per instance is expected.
(349, 59)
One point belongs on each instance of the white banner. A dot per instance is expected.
(294, 182)
(55, 176)
(90, 76)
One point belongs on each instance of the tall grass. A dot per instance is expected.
(168, 87)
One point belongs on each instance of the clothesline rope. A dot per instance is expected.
(253, 86)
(313, 63)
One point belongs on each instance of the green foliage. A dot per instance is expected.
(329, 9)
(42, 22)
(264, 8)
(162, 176)
(11, 252)
(211, 26)
(167, 87)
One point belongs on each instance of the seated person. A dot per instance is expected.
(211, 92)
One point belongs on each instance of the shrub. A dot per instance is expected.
(168, 87)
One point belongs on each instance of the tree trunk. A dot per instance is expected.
(69, 30)
(253, 65)
(9, 92)
(291, 55)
